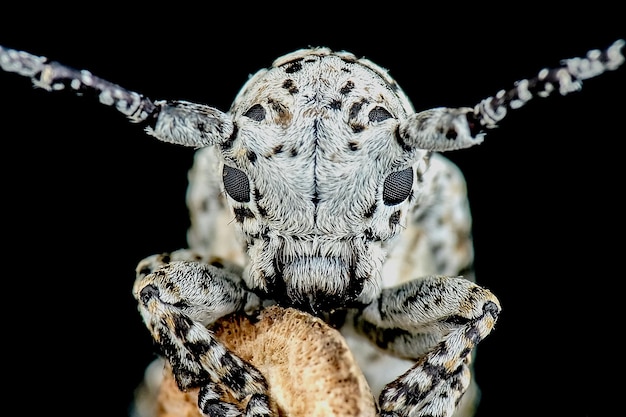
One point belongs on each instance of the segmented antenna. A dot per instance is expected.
(565, 79)
(52, 76)
(193, 124)
(180, 122)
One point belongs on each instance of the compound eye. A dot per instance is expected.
(256, 112)
(378, 114)
(397, 186)
(236, 184)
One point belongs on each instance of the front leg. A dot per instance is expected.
(436, 321)
(177, 300)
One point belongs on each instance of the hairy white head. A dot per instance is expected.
(319, 177)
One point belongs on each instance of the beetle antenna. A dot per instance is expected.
(565, 79)
(179, 122)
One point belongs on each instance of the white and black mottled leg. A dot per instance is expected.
(179, 294)
(437, 245)
(436, 321)
(437, 241)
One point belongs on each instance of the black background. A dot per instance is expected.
(86, 194)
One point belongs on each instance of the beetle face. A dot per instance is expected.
(318, 178)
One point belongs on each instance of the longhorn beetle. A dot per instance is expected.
(328, 193)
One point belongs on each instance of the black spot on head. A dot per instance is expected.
(251, 156)
(357, 127)
(293, 152)
(243, 212)
(354, 110)
(256, 113)
(378, 114)
(277, 149)
(394, 219)
(347, 88)
(335, 104)
(290, 86)
(354, 146)
(370, 212)
(293, 67)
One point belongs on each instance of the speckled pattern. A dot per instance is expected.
(321, 197)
